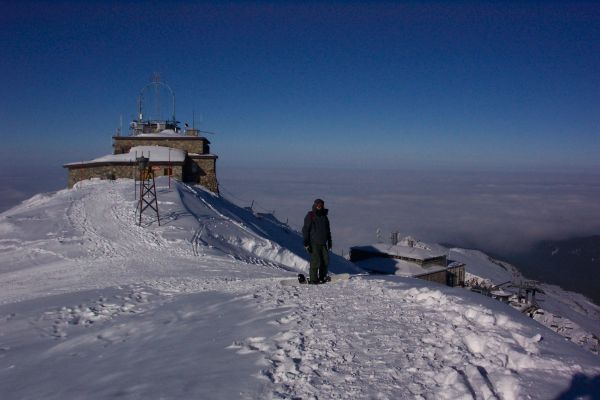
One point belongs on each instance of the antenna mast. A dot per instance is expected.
(156, 83)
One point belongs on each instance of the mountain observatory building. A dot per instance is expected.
(182, 154)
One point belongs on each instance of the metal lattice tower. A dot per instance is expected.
(147, 189)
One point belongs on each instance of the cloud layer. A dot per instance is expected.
(19, 182)
(500, 212)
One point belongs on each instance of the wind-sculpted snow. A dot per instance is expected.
(239, 231)
(484, 267)
(94, 306)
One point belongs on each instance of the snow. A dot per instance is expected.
(93, 306)
(395, 267)
(481, 265)
(416, 253)
(163, 133)
(154, 153)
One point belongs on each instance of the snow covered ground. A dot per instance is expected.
(93, 306)
(570, 314)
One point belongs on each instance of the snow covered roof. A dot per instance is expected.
(396, 267)
(500, 293)
(416, 253)
(163, 133)
(207, 155)
(157, 154)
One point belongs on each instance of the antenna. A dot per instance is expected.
(174, 120)
(140, 106)
(119, 127)
(156, 84)
(156, 81)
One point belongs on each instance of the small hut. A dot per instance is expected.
(406, 259)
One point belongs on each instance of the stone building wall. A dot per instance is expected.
(191, 144)
(197, 169)
(116, 171)
(207, 173)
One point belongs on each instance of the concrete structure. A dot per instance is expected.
(419, 256)
(501, 295)
(182, 155)
(188, 166)
(409, 261)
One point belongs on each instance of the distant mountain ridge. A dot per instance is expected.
(571, 263)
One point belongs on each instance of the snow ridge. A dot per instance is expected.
(194, 309)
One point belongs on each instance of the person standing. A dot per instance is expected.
(317, 241)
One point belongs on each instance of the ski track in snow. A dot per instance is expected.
(105, 241)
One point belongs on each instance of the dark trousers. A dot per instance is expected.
(319, 262)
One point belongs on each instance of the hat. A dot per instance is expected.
(317, 201)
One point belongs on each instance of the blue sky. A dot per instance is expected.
(334, 84)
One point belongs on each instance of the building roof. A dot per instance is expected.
(163, 133)
(194, 156)
(156, 154)
(396, 267)
(501, 293)
(167, 134)
(415, 253)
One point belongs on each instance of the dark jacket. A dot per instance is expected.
(316, 229)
